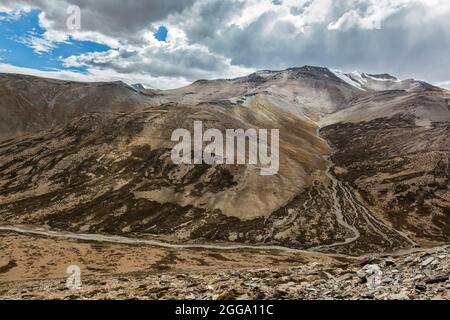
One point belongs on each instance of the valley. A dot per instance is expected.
(363, 172)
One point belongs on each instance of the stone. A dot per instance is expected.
(361, 274)
(421, 287)
(371, 274)
(243, 297)
(427, 262)
(399, 296)
(368, 295)
(436, 279)
(387, 280)
(6, 265)
(389, 262)
(346, 276)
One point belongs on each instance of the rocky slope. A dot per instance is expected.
(423, 275)
(112, 173)
(392, 148)
(29, 104)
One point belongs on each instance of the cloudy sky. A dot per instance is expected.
(169, 43)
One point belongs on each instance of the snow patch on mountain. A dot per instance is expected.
(350, 79)
(140, 86)
(358, 77)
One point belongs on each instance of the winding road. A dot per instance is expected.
(337, 187)
(125, 240)
(343, 194)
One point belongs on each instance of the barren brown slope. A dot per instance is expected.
(112, 173)
(394, 150)
(29, 104)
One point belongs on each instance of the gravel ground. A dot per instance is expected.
(420, 275)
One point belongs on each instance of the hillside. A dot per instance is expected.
(364, 161)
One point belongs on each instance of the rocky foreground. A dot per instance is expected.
(419, 275)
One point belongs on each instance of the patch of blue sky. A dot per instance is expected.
(161, 33)
(15, 51)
